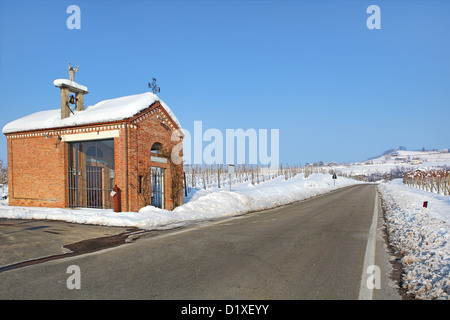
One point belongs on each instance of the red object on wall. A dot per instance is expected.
(425, 204)
(117, 200)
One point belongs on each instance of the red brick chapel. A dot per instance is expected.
(74, 157)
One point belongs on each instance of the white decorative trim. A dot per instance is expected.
(50, 133)
(91, 136)
(158, 159)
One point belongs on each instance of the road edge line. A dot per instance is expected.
(366, 293)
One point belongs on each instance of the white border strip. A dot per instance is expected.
(158, 159)
(369, 259)
(91, 136)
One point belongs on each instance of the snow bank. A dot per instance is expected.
(245, 197)
(422, 236)
(201, 206)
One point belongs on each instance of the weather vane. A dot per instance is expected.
(153, 86)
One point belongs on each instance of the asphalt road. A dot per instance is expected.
(312, 249)
(30, 240)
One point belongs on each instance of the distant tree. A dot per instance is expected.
(388, 152)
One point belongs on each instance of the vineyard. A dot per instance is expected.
(437, 181)
(217, 176)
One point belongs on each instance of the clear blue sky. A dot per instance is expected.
(336, 90)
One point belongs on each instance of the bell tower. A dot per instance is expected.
(67, 87)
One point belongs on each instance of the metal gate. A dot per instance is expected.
(91, 187)
(91, 174)
(157, 184)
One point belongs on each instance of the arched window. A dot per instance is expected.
(156, 148)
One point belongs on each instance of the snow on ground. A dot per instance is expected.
(441, 156)
(382, 168)
(201, 205)
(401, 160)
(421, 235)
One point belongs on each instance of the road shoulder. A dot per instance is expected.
(386, 260)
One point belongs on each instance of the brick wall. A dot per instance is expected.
(36, 172)
(140, 141)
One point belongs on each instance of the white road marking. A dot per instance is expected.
(366, 293)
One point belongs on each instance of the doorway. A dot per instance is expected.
(157, 184)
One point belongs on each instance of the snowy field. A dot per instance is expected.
(422, 236)
(200, 205)
(404, 160)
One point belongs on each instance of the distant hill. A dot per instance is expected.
(402, 151)
(393, 164)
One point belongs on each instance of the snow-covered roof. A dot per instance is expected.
(104, 111)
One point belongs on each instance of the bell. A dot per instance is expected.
(72, 100)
